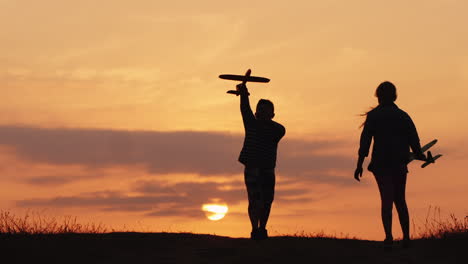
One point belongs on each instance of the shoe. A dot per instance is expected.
(254, 234)
(406, 243)
(262, 234)
(388, 244)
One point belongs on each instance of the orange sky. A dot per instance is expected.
(102, 98)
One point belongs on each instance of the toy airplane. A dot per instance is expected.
(244, 78)
(430, 159)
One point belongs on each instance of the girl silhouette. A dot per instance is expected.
(394, 133)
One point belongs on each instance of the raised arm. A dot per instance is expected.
(247, 114)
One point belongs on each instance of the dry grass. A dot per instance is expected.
(36, 223)
(319, 234)
(437, 227)
(434, 226)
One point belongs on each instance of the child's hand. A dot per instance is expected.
(242, 89)
(358, 173)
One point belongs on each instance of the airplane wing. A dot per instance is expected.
(428, 145)
(424, 149)
(432, 161)
(244, 78)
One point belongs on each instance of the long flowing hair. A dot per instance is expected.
(386, 93)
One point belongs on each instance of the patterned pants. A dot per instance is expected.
(260, 185)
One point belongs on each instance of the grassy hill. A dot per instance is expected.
(34, 238)
(128, 247)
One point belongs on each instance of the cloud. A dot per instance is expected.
(52, 180)
(109, 200)
(207, 154)
(155, 198)
(302, 163)
(204, 153)
(332, 178)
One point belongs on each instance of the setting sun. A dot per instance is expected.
(215, 212)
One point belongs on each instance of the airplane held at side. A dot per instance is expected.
(429, 159)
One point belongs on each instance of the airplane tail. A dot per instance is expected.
(430, 159)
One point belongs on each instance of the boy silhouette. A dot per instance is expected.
(258, 155)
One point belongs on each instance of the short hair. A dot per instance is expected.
(267, 103)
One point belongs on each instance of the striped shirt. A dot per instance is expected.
(261, 139)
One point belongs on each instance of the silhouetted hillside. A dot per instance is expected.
(193, 248)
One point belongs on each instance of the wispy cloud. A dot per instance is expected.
(204, 153)
(155, 198)
(50, 180)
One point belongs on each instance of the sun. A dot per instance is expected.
(215, 212)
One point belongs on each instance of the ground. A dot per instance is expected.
(164, 248)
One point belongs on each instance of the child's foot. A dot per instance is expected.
(406, 243)
(388, 243)
(262, 234)
(254, 235)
